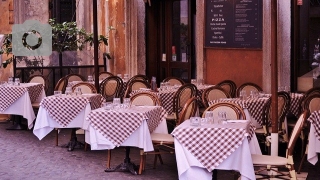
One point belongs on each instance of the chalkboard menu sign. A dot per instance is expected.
(233, 23)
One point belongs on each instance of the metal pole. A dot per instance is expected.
(274, 78)
(95, 45)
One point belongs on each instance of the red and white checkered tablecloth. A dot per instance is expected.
(295, 103)
(254, 106)
(314, 118)
(118, 125)
(9, 94)
(211, 145)
(64, 109)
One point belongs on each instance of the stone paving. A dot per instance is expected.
(23, 156)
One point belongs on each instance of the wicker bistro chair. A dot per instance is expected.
(248, 87)
(180, 98)
(213, 93)
(266, 162)
(86, 87)
(164, 142)
(311, 104)
(174, 81)
(111, 87)
(74, 77)
(135, 85)
(139, 77)
(283, 108)
(40, 79)
(61, 85)
(233, 110)
(145, 98)
(229, 86)
(103, 75)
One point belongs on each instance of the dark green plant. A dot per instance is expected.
(66, 36)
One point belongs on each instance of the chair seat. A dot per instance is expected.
(36, 105)
(162, 138)
(171, 117)
(268, 160)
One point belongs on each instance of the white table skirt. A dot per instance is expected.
(140, 138)
(45, 124)
(23, 107)
(190, 168)
(313, 146)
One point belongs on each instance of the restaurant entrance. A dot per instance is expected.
(169, 39)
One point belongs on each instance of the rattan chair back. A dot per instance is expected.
(213, 93)
(61, 85)
(103, 75)
(248, 87)
(40, 79)
(229, 86)
(136, 85)
(145, 99)
(111, 87)
(86, 88)
(233, 111)
(189, 110)
(181, 97)
(74, 77)
(174, 81)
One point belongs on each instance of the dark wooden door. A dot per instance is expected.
(170, 49)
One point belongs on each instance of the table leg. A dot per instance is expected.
(214, 174)
(73, 143)
(18, 125)
(127, 165)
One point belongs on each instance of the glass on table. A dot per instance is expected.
(194, 81)
(116, 103)
(107, 105)
(119, 75)
(78, 91)
(222, 117)
(17, 81)
(243, 95)
(195, 121)
(126, 103)
(57, 93)
(10, 80)
(2, 83)
(209, 116)
(163, 86)
(90, 79)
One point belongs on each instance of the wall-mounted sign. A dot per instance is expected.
(233, 24)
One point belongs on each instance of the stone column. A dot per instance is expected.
(200, 63)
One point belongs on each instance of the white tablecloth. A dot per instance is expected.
(240, 160)
(23, 107)
(313, 146)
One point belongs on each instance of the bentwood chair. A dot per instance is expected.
(248, 87)
(139, 77)
(233, 111)
(145, 98)
(74, 77)
(272, 163)
(229, 86)
(42, 80)
(111, 87)
(61, 85)
(174, 81)
(86, 88)
(103, 75)
(213, 93)
(135, 85)
(163, 143)
(180, 98)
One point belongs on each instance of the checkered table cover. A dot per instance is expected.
(254, 106)
(118, 125)
(9, 94)
(211, 145)
(166, 96)
(64, 109)
(295, 103)
(314, 118)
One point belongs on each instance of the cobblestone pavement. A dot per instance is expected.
(23, 156)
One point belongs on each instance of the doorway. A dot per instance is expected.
(170, 39)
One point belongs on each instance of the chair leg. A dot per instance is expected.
(85, 146)
(144, 162)
(155, 161)
(302, 160)
(160, 158)
(141, 167)
(57, 139)
(109, 158)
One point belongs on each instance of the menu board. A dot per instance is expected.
(233, 23)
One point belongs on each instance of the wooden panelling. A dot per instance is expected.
(238, 65)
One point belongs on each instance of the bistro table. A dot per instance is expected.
(107, 129)
(16, 100)
(166, 96)
(202, 149)
(64, 111)
(314, 137)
